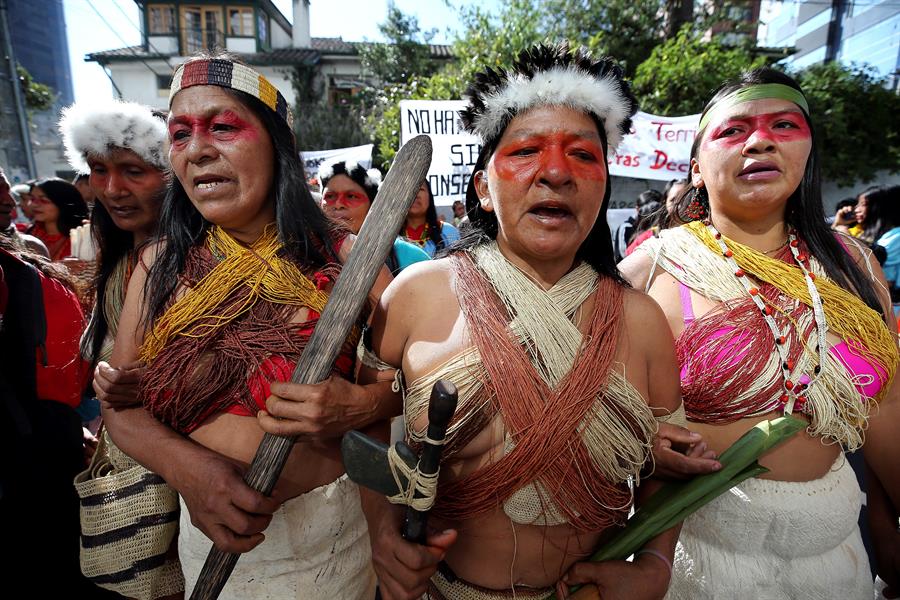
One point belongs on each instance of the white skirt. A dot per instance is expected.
(776, 540)
(317, 546)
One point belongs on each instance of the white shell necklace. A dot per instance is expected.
(794, 392)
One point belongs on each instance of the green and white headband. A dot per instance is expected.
(760, 91)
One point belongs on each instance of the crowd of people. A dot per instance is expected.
(591, 368)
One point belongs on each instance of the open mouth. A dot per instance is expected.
(550, 210)
(208, 182)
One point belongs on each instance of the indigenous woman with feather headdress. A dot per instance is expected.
(774, 314)
(561, 369)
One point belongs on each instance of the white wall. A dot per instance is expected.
(138, 83)
(165, 44)
(240, 44)
(278, 36)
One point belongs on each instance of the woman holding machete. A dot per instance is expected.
(560, 368)
(218, 309)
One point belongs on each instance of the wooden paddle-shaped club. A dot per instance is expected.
(345, 302)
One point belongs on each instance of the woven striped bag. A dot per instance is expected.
(129, 520)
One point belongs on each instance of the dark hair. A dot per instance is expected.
(67, 198)
(304, 230)
(47, 267)
(804, 212)
(597, 248)
(882, 211)
(434, 226)
(80, 177)
(845, 203)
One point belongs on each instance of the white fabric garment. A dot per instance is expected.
(317, 546)
(776, 540)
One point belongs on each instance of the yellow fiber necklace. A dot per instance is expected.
(845, 312)
(204, 308)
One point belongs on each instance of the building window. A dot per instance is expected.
(262, 29)
(161, 19)
(201, 29)
(163, 83)
(240, 21)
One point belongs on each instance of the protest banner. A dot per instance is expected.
(656, 148)
(360, 154)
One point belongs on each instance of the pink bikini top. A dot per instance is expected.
(736, 350)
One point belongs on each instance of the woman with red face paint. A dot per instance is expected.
(560, 369)
(348, 190)
(773, 314)
(235, 286)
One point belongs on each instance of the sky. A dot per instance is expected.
(94, 25)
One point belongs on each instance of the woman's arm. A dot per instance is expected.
(221, 505)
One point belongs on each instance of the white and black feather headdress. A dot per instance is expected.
(550, 75)
(368, 179)
(95, 128)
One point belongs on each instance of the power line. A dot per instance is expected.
(149, 43)
(121, 39)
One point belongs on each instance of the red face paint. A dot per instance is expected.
(225, 126)
(788, 126)
(347, 198)
(523, 159)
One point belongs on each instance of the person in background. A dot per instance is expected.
(885, 202)
(83, 185)
(121, 145)
(57, 207)
(650, 207)
(9, 230)
(22, 195)
(41, 380)
(673, 191)
(422, 227)
(857, 221)
(844, 207)
(459, 213)
(349, 190)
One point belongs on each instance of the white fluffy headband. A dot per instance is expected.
(571, 87)
(96, 128)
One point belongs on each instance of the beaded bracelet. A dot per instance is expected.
(658, 555)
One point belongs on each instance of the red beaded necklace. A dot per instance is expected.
(793, 389)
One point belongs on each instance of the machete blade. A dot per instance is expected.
(366, 462)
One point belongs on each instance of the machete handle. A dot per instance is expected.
(441, 407)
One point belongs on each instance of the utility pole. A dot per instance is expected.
(14, 134)
(835, 30)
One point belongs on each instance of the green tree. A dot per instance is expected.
(856, 124)
(404, 54)
(37, 95)
(680, 75)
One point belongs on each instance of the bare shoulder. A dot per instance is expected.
(642, 313)
(427, 281)
(637, 269)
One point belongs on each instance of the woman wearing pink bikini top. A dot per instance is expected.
(773, 313)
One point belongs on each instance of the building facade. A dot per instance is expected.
(254, 30)
(848, 31)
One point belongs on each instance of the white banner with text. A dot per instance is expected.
(656, 148)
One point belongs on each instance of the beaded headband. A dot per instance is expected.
(228, 74)
(760, 91)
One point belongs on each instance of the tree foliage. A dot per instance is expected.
(680, 75)
(406, 52)
(855, 120)
(38, 96)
